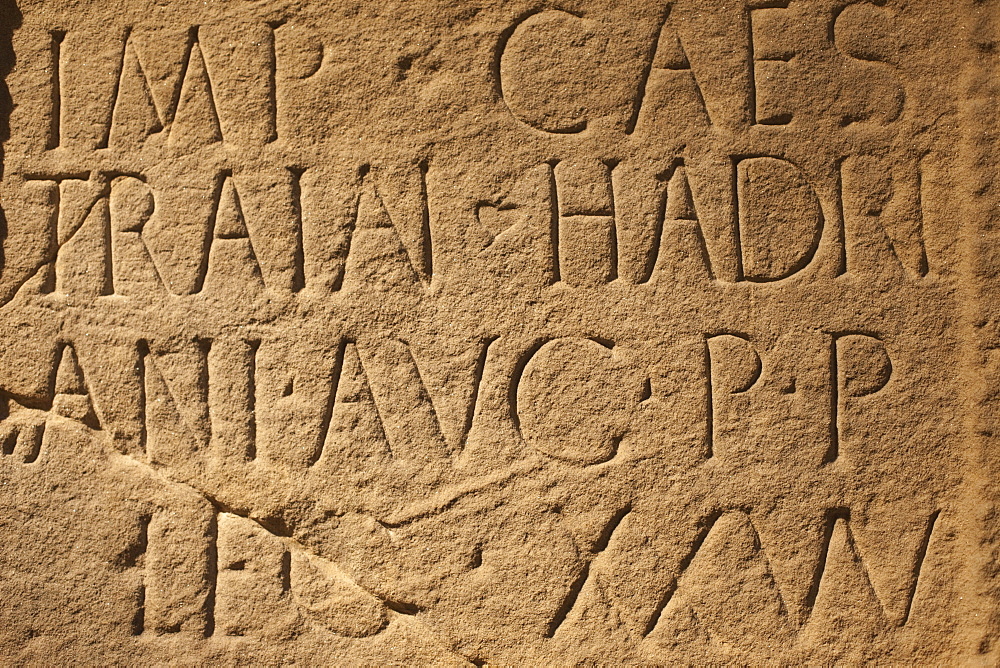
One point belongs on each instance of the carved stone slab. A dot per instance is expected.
(499, 332)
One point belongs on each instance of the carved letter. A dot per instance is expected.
(863, 33)
(859, 366)
(55, 120)
(585, 237)
(196, 122)
(779, 219)
(387, 240)
(733, 367)
(767, 63)
(572, 399)
(547, 63)
(133, 114)
(668, 87)
(883, 219)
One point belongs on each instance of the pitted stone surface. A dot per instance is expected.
(499, 333)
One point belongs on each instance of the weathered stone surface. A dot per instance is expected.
(499, 332)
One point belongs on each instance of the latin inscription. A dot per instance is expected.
(706, 284)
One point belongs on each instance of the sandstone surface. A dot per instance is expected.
(499, 332)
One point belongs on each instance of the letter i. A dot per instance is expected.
(55, 121)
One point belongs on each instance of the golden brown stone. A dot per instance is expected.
(504, 333)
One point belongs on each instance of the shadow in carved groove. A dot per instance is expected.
(10, 20)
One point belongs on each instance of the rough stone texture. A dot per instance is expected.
(503, 332)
